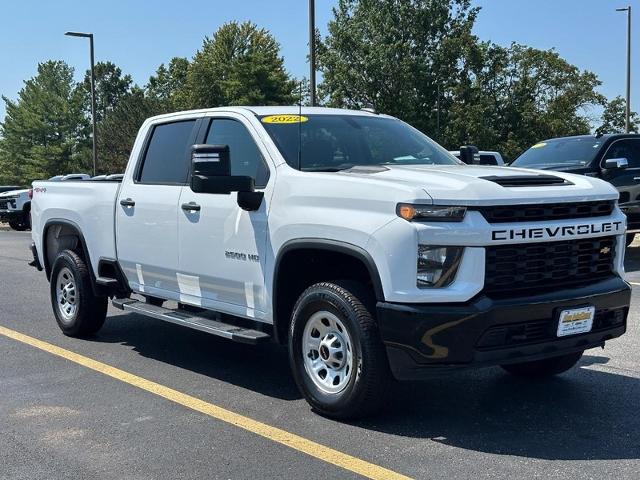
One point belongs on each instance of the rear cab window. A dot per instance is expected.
(166, 158)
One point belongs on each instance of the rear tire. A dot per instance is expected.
(544, 368)
(78, 310)
(338, 360)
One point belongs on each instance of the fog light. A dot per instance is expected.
(437, 265)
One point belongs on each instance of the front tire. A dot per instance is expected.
(544, 368)
(338, 360)
(78, 310)
(17, 226)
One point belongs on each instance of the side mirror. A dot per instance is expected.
(211, 173)
(616, 163)
(470, 154)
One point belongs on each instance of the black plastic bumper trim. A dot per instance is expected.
(422, 339)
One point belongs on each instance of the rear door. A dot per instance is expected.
(222, 247)
(147, 209)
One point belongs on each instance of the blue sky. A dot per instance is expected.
(139, 35)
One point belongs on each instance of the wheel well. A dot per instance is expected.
(62, 236)
(299, 268)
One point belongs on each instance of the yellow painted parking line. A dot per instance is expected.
(274, 434)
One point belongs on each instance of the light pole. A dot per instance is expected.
(93, 93)
(627, 125)
(312, 52)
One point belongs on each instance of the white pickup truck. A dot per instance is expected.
(15, 207)
(351, 237)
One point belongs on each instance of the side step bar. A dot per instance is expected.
(187, 319)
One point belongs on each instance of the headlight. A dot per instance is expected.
(437, 266)
(430, 213)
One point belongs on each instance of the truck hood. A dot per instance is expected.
(13, 193)
(487, 185)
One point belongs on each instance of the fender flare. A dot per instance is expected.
(337, 246)
(74, 226)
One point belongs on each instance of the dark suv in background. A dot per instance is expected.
(612, 157)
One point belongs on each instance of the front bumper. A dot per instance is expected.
(10, 215)
(422, 339)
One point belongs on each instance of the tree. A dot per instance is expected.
(418, 60)
(510, 98)
(239, 65)
(393, 54)
(42, 127)
(613, 117)
(111, 87)
(168, 85)
(118, 130)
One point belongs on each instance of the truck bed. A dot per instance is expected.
(89, 205)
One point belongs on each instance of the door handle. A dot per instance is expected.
(636, 179)
(127, 202)
(191, 207)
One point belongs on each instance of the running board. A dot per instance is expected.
(187, 319)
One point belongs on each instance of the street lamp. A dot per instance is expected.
(627, 125)
(312, 52)
(93, 93)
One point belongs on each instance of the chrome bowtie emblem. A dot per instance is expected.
(605, 250)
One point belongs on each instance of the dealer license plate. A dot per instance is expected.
(576, 320)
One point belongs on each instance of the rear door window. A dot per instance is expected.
(166, 159)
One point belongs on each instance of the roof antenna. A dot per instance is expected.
(300, 130)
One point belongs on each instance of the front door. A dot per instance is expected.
(222, 247)
(627, 180)
(147, 210)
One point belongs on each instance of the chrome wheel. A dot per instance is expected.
(327, 352)
(66, 295)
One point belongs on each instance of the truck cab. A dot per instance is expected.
(350, 237)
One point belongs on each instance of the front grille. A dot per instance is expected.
(547, 266)
(4, 205)
(511, 335)
(541, 212)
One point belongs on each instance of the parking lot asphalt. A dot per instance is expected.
(59, 419)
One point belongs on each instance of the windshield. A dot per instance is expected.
(562, 152)
(330, 143)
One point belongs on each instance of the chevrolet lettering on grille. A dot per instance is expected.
(565, 231)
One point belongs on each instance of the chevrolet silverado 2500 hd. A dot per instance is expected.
(350, 236)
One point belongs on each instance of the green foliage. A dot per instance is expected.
(41, 130)
(507, 99)
(613, 118)
(118, 130)
(409, 57)
(168, 85)
(392, 55)
(239, 65)
(111, 87)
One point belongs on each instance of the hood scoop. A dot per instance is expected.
(366, 169)
(527, 180)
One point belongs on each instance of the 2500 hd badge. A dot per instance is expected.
(557, 232)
